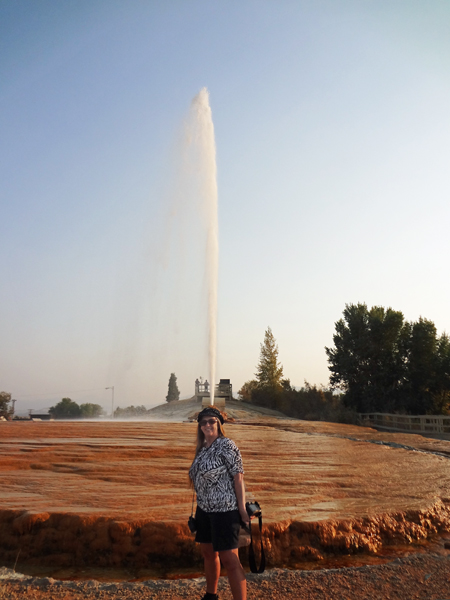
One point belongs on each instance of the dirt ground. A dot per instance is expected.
(417, 577)
(99, 492)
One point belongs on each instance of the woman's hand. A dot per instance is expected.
(240, 496)
(244, 517)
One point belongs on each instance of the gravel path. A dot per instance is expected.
(417, 577)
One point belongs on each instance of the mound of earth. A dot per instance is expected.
(185, 410)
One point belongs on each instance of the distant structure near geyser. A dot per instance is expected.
(223, 391)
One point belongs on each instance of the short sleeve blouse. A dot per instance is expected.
(213, 472)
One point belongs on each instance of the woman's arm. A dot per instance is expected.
(240, 496)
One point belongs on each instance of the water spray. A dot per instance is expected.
(202, 146)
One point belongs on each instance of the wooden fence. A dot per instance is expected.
(431, 424)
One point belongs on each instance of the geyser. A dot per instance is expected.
(199, 157)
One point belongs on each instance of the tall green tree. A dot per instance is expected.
(269, 374)
(423, 365)
(368, 358)
(384, 364)
(269, 371)
(173, 393)
(66, 409)
(442, 388)
(5, 399)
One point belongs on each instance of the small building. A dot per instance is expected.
(223, 391)
(40, 415)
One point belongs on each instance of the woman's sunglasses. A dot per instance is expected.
(207, 422)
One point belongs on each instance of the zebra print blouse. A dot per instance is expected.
(213, 471)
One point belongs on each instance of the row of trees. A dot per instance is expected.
(131, 412)
(65, 409)
(379, 363)
(271, 390)
(383, 363)
(68, 409)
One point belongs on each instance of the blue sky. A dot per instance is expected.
(333, 150)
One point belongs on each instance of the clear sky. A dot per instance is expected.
(332, 127)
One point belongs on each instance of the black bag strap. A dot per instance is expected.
(251, 552)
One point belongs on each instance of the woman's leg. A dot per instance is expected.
(212, 567)
(235, 572)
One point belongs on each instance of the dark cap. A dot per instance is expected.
(210, 412)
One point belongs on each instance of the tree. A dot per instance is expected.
(5, 399)
(131, 412)
(173, 393)
(66, 409)
(442, 384)
(368, 360)
(269, 372)
(91, 411)
(385, 364)
(245, 393)
(422, 367)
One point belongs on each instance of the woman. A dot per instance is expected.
(217, 475)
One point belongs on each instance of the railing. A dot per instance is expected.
(411, 423)
(202, 388)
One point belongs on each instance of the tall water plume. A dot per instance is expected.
(166, 298)
(199, 157)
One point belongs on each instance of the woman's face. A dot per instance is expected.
(209, 426)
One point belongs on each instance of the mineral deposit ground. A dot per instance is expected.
(110, 500)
